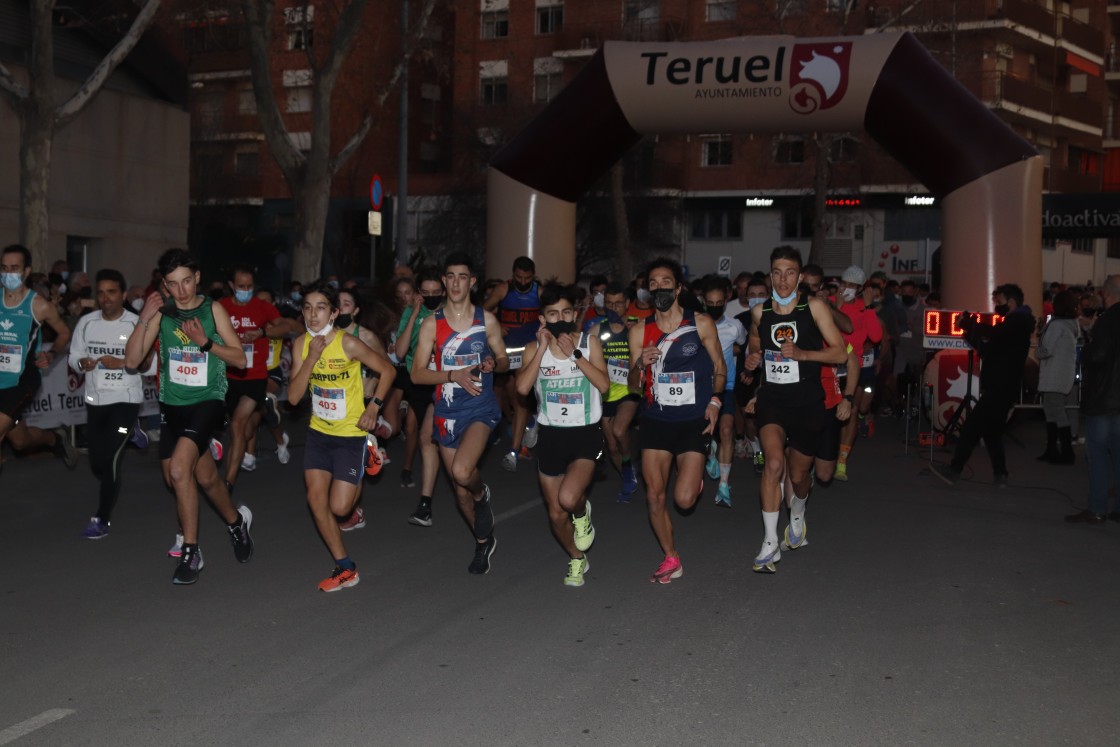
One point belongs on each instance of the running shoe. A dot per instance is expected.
(759, 462)
(283, 455)
(422, 516)
(383, 430)
(216, 449)
(740, 448)
(139, 437)
(793, 541)
(65, 450)
(176, 550)
(482, 552)
(384, 456)
(529, 440)
(713, 462)
(509, 462)
(271, 411)
(629, 479)
(96, 529)
(406, 479)
(577, 569)
(190, 563)
(584, 535)
(483, 514)
(356, 520)
(373, 456)
(240, 537)
(723, 495)
(768, 555)
(340, 579)
(248, 462)
(841, 472)
(669, 569)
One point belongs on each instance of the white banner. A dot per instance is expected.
(61, 399)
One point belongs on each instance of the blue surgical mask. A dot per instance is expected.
(242, 296)
(12, 280)
(65, 274)
(296, 296)
(783, 301)
(752, 302)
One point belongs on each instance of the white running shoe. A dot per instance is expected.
(282, 453)
(768, 555)
(248, 462)
(529, 440)
(216, 449)
(509, 462)
(176, 550)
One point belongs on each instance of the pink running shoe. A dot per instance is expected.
(669, 569)
(216, 449)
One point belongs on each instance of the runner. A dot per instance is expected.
(113, 394)
(517, 304)
(567, 370)
(192, 331)
(620, 406)
(418, 418)
(277, 379)
(732, 335)
(466, 342)
(255, 322)
(21, 319)
(866, 334)
(788, 334)
(329, 361)
(675, 354)
(746, 382)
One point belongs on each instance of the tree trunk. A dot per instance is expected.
(312, 201)
(624, 252)
(34, 183)
(820, 196)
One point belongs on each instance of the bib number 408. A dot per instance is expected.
(187, 370)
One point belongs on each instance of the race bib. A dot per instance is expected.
(186, 367)
(11, 358)
(564, 408)
(455, 362)
(675, 389)
(110, 379)
(328, 404)
(618, 369)
(515, 359)
(779, 369)
(868, 359)
(248, 348)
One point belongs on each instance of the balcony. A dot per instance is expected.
(225, 189)
(575, 41)
(1032, 103)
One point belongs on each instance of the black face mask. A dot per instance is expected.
(715, 310)
(55, 278)
(342, 321)
(560, 328)
(216, 294)
(1003, 309)
(523, 288)
(663, 298)
(909, 300)
(432, 302)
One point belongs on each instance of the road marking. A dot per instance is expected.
(508, 514)
(23, 728)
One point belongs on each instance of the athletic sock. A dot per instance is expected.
(797, 509)
(426, 500)
(240, 521)
(844, 451)
(755, 445)
(346, 564)
(724, 473)
(770, 522)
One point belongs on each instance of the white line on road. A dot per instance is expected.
(23, 728)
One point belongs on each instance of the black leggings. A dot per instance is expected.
(108, 428)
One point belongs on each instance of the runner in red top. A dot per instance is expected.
(254, 321)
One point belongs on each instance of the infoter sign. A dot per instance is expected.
(1080, 216)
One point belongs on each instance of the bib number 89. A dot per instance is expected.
(676, 391)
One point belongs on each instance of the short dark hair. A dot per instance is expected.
(666, 264)
(814, 270)
(553, 293)
(427, 274)
(403, 279)
(757, 279)
(110, 274)
(785, 251)
(242, 267)
(614, 288)
(524, 264)
(173, 259)
(21, 250)
(598, 280)
(710, 283)
(909, 283)
(1065, 305)
(1011, 291)
(325, 289)
(458, 258)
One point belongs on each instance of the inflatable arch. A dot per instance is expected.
(988, 178)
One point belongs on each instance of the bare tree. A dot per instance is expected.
(309, 172)
(41, 116)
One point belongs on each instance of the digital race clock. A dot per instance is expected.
(942, 328)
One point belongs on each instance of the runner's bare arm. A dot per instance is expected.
(596, 370)
(754, 342)
(530, 365)
(144, 334)
(382, 368)
(837, 351)
(425, 342)
(496, 343)
(299, 375)
(46, 312)
(636, 336)
(495, 296)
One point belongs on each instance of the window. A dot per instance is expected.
(797, 222)
(843, 149)
(246, 163)
(1083, 161)
(789, 150)
(299, 99)
(495, 24)
(208, 167)
(246, 101)
(720, 10)
(550, 18)
(494, 82)
(717, 224)
(715, 150)
(842, 6)
(547, 76)
(300, 38)
(208, 107)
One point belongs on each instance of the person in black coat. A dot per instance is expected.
(1003, 351)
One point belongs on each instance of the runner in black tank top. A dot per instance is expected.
(787, 339)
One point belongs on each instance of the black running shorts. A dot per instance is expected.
(559, 447)
(674, 436)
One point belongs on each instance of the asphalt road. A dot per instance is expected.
(918, 614)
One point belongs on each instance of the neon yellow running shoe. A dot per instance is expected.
(577, 568)
(584, 529)
(841, 471)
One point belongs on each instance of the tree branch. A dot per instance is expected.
(81, 98)
(348, 23)
(351, 144)
(10, 89)
(258, 16)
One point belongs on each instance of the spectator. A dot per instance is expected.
(1057, 358)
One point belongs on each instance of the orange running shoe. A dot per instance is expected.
(340, 579)
(374, 460)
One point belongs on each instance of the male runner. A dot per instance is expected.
(675, 354)
(789, 334)
(22, 316)
(517, 304)
(866, 333)
(731, 335)
(565, 366)
(466, 342)
(113, 395)
(192, 331)
(746, 382)
(620, 406)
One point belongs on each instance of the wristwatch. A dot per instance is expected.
(378, 401)
(576, 354)
(206, 348)
(850, 397)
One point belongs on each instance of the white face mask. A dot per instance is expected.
(848, 294)
(137, 304)
(643, 295)
(598, 299)
(326, 330)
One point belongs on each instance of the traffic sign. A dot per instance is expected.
(376, 192)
